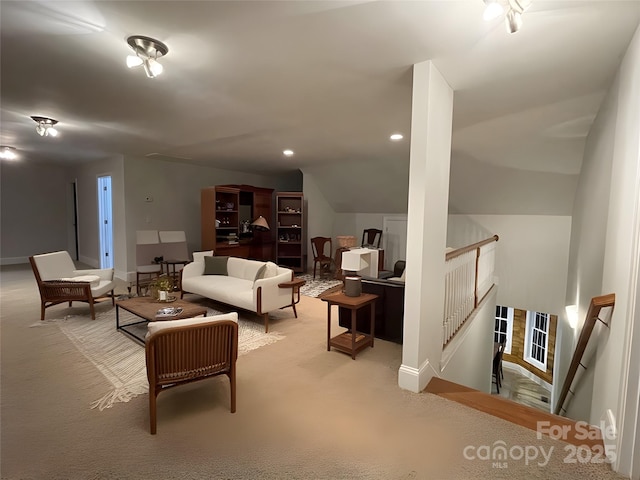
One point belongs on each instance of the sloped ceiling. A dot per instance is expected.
(331, 80)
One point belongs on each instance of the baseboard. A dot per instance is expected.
(14, 260)
(415, 379)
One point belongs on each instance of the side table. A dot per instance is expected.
(354, 341)
(294, 285)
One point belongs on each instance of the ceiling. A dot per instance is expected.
(244, 80)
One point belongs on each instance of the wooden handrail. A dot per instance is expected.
(468, 248)
(597, 304)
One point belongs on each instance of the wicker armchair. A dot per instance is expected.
(59, 282)
(184, 351)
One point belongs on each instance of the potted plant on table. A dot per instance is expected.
(161, 287)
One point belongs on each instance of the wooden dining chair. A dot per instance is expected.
(371, 237)
(318, 247)
(497, 367)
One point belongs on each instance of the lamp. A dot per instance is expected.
(147, 51)
(514, 10)
(45, 126)
(352, 263)
(260, 224)
(7, 152)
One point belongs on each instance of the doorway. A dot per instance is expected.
(72, 221)
(105, 223)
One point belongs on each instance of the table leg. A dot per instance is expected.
(353, 334)
(373, 322)
(117, 317)
(328, 326)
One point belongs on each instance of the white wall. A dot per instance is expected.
(463, 231)
(319, 214)
(88, 230)
(620, 272)
(605, 250)
(531, 259)
(473, 341)
(33, 211)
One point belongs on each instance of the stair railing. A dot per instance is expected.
(593, 315)
(468, 279)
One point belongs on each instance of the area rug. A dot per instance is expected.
(122, 360)
(315, 288)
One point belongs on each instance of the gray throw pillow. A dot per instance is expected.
(215, 265)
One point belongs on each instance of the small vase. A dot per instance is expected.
(163, 295)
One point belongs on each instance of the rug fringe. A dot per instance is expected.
(120, 394)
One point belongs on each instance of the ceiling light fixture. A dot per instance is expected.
(513, 16)
(7, 152)
(45, 126)
(147, 50)
(395, 137)
(492, 10)
(287, 153)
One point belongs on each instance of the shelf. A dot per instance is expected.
(290, 221)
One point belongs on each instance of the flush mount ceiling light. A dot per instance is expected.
(514, 11)
(287, 153)
(147, 50)
(7, 152)
(396, 137)
(45, 126)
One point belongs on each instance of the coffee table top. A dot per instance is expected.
(147, 308)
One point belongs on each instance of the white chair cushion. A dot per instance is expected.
(159, 325)
(53, 266)
(94, 280)
(146, 237)
(172, 236)
(148, 268)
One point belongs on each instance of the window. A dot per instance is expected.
(504, 327)
(537, 339)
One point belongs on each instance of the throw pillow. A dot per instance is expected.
(271, 270)
(215, 265)
(260, 273)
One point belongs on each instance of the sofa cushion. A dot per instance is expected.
(215, 265)
(225, 289)
(243, 268)
(157, 326)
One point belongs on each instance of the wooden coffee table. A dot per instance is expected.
(146, 308)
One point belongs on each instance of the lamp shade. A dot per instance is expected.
(260, 224)
(353, 262)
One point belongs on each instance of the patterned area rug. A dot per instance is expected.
(315, 288)
(121, 360)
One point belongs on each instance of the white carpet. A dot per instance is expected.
(121, 360)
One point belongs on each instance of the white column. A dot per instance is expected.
(431, 120)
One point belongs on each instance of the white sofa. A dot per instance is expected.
(240, 287)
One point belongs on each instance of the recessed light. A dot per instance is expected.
(287, 152)
(396, 136)
(7, 152)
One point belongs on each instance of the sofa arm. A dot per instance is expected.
(272, 297)
(103, 273)
(193, 269)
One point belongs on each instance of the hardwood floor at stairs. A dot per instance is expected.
(516, 413)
